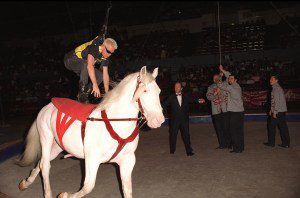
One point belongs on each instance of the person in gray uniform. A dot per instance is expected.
(277, 115)
(235, 108)
(220, 116)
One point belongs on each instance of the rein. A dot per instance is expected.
(114, 119)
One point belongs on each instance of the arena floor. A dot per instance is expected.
(258, 172)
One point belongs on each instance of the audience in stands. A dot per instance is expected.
(30, 75)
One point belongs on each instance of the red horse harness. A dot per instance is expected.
(81, 112)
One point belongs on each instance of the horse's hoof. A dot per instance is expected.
(63, 195)
(22, 185)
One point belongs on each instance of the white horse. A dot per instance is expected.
(43, 145)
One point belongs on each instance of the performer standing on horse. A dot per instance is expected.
(82, 61)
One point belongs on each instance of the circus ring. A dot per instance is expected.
(258, 172)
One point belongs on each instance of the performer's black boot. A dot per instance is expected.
(83, 93)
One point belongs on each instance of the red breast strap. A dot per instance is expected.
(62, 126)
(122, 142)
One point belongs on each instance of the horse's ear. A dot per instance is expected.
(155, 72)
(143, 71)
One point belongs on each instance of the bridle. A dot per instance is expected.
(140, 108)
(121, 142)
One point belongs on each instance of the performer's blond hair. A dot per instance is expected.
(112, 42)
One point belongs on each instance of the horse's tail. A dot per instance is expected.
(33, 149)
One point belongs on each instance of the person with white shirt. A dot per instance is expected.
(179, 118)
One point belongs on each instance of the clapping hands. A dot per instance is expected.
(201, 100)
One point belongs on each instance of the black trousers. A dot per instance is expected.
(280, 121)
(236, 127)
(228, 139)
(79, 66)
(185, 134)
(221, 125)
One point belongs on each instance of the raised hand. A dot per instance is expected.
(221, 68)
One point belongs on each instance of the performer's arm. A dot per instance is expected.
(226, 73)
(92, 75)
(106, 79)
(225, 86)
(276, 101)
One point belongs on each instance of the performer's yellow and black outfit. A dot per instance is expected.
(76, 61)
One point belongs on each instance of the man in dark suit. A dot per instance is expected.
(179, 105)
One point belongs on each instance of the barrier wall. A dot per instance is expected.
(248, 118)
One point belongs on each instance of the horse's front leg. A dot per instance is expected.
(92, 163)
(126, 167)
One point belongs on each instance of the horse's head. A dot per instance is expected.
(148, 93)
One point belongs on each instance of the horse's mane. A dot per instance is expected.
(114, 95)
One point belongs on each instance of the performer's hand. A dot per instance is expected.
(274, 115)
(96, 91)
(221, 67)
(201, 100)
(270, 113)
